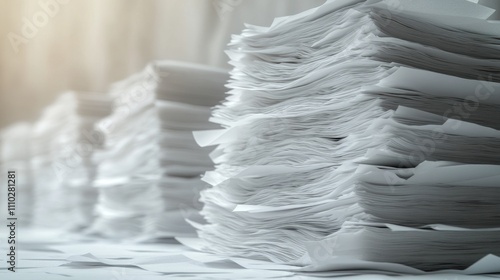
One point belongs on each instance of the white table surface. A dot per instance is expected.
(46, 254)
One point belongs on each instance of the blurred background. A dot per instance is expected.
(49, 46)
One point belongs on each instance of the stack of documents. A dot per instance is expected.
(91, 108)
(322, 104)
(185, 94)
(63, 142)
(150, 168)
(128, 163)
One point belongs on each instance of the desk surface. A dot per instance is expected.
(45, 254)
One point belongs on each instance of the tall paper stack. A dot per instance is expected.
(149, 176)
(185, 94)
(91, 108)
(128, 167)
(333, 120)
(63, 143)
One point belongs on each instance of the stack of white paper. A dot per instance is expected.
(392, 84)
(63, 143)
(149, 172)
(185, 94)
(91, 108)
(128, 163)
